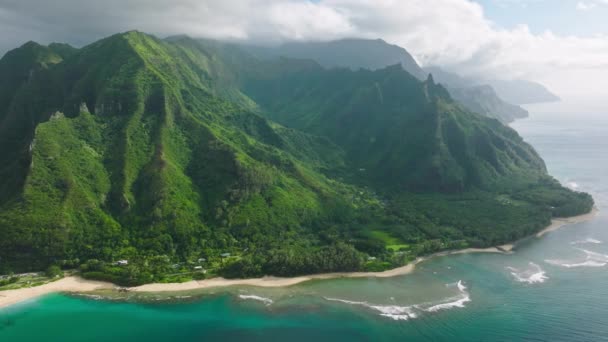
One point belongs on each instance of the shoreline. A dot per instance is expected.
(557, 223)
(75, 284)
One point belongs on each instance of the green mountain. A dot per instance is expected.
(377, 54)
(351, 53)
(170, 153)
(482, 99)
(401, 131)
(518, 92)
(477, 97)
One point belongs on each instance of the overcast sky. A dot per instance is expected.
(558, 42)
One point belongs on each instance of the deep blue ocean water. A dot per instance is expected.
(552, 289)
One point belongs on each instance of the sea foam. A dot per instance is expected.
(587, 240)
(532, 275)
(403, 313)
(449, 303)
(264, 300)
(595, 256)
(455, 302)
(567, 264)
(592, 259)
(395, 312)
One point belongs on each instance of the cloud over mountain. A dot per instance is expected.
(453, 33)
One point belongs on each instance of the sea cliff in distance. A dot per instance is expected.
(136, 160)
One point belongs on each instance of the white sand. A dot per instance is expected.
(67, 284)
(280, 282)
(560, 222)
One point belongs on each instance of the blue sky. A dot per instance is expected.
(564, 17)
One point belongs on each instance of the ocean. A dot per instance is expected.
(551, 289)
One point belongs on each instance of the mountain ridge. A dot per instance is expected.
(164, 151)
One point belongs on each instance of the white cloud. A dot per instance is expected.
(586, 5)
(452, 33)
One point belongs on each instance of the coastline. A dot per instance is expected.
(557, 223)
(67, 284)
(79, 285)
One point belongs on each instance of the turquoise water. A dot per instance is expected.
(551, 289)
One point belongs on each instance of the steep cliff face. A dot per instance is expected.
(478, 96)
(400, 130)
(483, 100)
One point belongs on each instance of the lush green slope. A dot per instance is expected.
(160, 152)
(27, 90)
(378, 54)
(399, 131)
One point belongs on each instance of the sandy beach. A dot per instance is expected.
(560, 222)
(77, 284)
(80, 285)
(67, 284)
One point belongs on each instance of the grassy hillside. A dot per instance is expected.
(162, 153)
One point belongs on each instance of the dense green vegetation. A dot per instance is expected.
(18, 281)
(136, 160)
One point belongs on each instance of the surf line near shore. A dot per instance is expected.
(74, 284)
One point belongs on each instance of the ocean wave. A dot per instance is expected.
(532, 275)
(398, 313)
(395, 312)
(587, 240)
(264, 300)
(461, 286)
(595, 256)
(568, 264)
(454, 302)
(592, 259)
(90, 296)
(403, 313)
(449, 303)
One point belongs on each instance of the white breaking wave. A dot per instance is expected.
(455, 302)
(595, 256)
(452, 302)
(461, 286)
(532, 275)
(592, 259)
(403, 313)
(397, 313)
(587, 240)
(567, 264)
(264, 300)
(91, 296)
